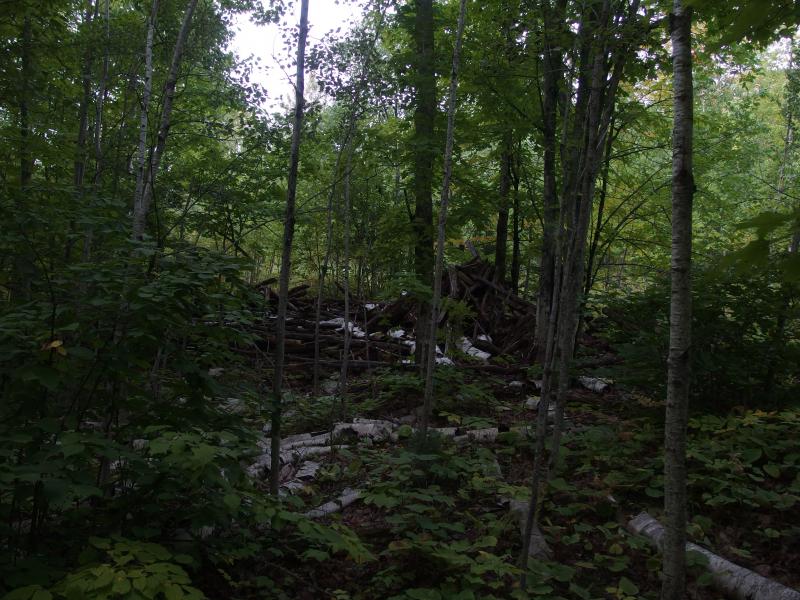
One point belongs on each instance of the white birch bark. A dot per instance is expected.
(140, 211)
(674, 564)
(734, 581)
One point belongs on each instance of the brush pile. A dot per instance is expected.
(492, 321)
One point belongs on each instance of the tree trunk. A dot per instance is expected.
(552, 74)
(98, 121)
(140, 211)
(501, 241)
(517, 225)
(144, 116)
(729, 578)
(286, 254)
(346, 286)
(23, 263)
(424, 145)
(79, 166)
(323, 272)
(349, 128)
(674, 564)
(778, 338)
(430, 364)
(598, 80)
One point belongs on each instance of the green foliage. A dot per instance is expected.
(442, 544)
(738, 352)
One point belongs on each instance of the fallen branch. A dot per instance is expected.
(538, 547)
(731, 579)
(346, 499)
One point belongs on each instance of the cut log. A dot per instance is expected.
(538, 549)
(731, 579)
(347, 497)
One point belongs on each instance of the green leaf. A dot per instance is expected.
(751, 455)
(173, 592)
(23, 593)
(627, 586)
(561, 485)
(772, 470)
(423, 594)
(105, 575)
(122, 585)
(232, 501)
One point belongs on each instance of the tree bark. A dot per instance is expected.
(79, 167)
(445, 198)
(598, 80)
(98, 121)
(501, 241)
(674, 563)
(552, 75)
(141, 211)
(424, 145)
(517, 225)
(346, 285)
(23, 263)
(731, 579)
(349, 129)
(144, 116)
(286, 254)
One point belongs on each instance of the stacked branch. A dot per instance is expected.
(384, 334)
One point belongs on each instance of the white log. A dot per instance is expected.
(347, 497)
(478, 435)
(538, 547)
(373, 431)
(308, 470)
(594, 384)
(297, 442)
(731, 579)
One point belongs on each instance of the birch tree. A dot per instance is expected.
(674, 562)
(141, 209)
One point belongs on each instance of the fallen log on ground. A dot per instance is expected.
(731, 579)
(347, 497)
(538, 547)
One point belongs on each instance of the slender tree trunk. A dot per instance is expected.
(23, 265)
(98, 122)
(552, 75)
(594, 242)
(424, 156)
(79, 167)
(792, 99)
(595, 97)
(501, 241)
(144, 117)
(140, 212)
(517, 225)
(323, 272)
(286, 255)
(346, 286)
(349, 128)
(674, 563)
(445, 198)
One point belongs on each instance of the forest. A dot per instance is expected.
(500, 300)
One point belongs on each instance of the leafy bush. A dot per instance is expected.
(741, 352)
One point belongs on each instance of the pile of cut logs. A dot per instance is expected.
(383, 333)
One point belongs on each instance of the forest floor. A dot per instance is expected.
(434, 517)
